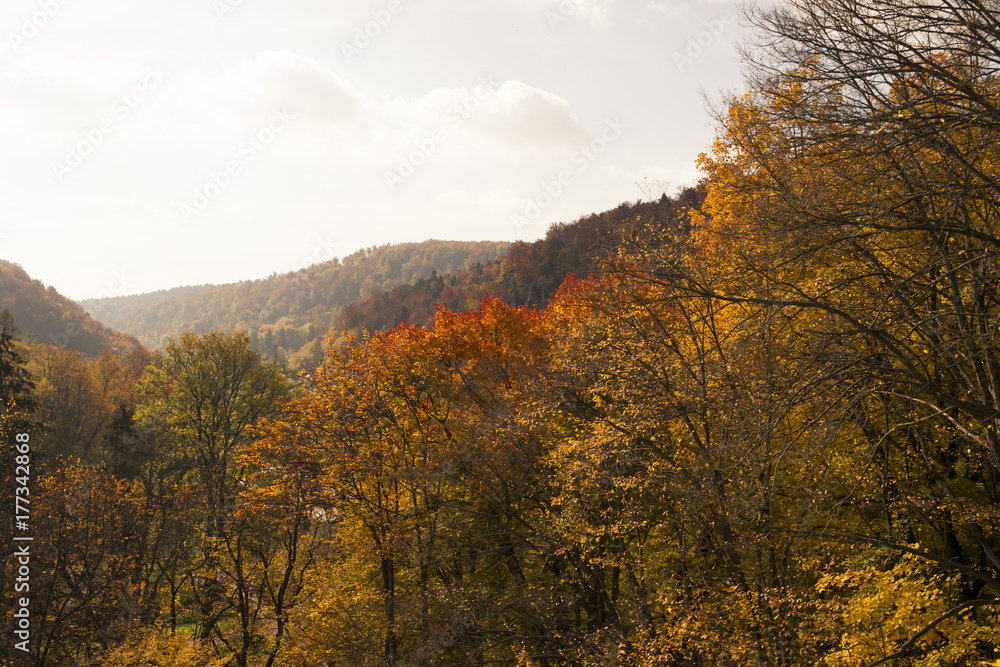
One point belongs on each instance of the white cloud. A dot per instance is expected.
(500, 199)
(137, 207)
(325, 174)
(665, 7)
(58, 91)
(594, 12)
(556, 13)
(453, 197)
(523, 116)
(300, 83)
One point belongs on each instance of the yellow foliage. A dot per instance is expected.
(886, 606)
(152, 646)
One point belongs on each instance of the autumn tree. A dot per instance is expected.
(687, 449)
(207, 393)
(379, 438)
(204, 398)
(424, 450)
(72, 402)
(854, 188)
(86, 526)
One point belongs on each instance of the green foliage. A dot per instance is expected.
(204, 396)
(8, 325)
(16, 384)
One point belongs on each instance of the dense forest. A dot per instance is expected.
(529, 274)
(760, 427)
(288, 316)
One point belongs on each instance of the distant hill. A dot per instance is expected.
(44, 315)
(146, 298)
(288, 315)
(530, 273)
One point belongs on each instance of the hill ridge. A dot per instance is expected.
(41, 313)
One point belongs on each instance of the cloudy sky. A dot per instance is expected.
(153, 143)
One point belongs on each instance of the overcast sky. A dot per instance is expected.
(148, 144)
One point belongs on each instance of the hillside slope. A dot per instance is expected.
(288, 316)
(43, 314)
(285, 313)
(531, 273)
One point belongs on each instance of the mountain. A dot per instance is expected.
(530, 273)
(288, 315)
(42, 314)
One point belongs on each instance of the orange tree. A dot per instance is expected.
(87, 527)
(425, 453)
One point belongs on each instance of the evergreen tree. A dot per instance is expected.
(15, 381)
(8, 324)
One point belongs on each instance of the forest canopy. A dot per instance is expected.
(762, 431)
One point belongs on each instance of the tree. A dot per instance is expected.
(688, 450)
(86, 526)
(285, 532)
(855, 186)
(205, 396)
(74, 402)
(207, 393)
(16, 404)
(16, 383)
(421, 444)
(8, 325)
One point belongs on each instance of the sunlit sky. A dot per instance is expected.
(148, 144)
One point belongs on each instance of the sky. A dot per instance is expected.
(148, 144)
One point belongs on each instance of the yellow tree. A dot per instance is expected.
(857, 183)
(688, 452)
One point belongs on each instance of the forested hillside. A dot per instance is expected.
(44, 315)
(289, 316)
(530, 273)
(766, 431)
(286, 313)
